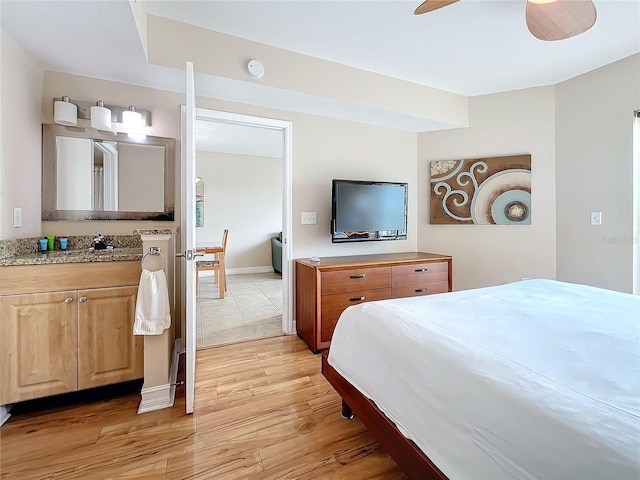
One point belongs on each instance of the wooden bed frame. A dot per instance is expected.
(405, 453)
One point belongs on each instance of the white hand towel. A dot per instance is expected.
(152, 305)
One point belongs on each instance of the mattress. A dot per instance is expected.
(534, 379)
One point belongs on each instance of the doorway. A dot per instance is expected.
(254, 290)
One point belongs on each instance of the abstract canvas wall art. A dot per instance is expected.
(200, 203)
(481, 191)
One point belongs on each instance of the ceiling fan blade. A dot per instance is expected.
(431, 5)
(560, 19)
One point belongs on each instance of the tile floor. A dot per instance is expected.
(251, 309)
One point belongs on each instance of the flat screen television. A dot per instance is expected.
(365, 211)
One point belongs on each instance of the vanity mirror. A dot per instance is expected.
(89, 174)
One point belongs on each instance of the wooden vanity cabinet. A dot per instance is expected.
(38, 345)
(108, 352)
(60, 341)
(324, 289)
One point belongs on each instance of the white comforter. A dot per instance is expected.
(535, 379)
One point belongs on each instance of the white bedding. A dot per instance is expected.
(535, 379)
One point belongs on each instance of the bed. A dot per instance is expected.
(534, 379)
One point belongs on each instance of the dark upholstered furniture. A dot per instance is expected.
(276, 253)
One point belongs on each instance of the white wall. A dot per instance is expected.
(20, 140)
(243, 194)
(508, 123)
(594, 156)
(325, 149)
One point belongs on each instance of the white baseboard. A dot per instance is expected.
(162, 396)
(155, 398)
(239, 271)
(4, 413)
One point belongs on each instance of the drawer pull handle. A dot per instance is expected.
(357, 276)
(83, 299)
(357, 299)
(422, 290)
(422, 270)
(68, 300)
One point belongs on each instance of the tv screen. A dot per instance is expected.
(364, 211)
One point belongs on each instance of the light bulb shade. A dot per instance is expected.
(65, 112)
(131, 119)
(100, 117)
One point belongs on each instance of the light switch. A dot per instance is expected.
(17, 217)
(309, 218)
(596, 218)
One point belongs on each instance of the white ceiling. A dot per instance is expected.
(472, 47)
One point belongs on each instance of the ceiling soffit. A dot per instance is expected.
(297, 82)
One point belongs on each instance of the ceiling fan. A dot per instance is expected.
(547, 20)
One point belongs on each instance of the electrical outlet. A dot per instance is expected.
(17, 217)
(596, 218)
(309, 218)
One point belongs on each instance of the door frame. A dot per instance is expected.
(286, 127)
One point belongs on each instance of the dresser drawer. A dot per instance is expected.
(355, 279)
(420, 289)
(419, 273)
(333, 305)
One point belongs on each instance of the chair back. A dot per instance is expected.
(224, 240)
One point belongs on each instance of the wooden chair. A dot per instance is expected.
(217, 265)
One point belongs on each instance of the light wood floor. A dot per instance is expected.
(263, 411)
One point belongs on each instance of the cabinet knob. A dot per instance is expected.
(82, 299)
(68, 300)
(421, 290)
(357, 276)
(421, 269)
(357, 299)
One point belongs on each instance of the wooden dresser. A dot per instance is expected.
(325, 288)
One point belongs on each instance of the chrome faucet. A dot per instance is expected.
(98, 242)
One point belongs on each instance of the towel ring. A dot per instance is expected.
(154, 251)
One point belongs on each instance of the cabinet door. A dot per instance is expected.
(38, 345)
(108, 352)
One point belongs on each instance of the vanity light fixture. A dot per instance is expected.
(100, 116)
(132, 121)
(131, 118)
(65, 112)
(110, 114)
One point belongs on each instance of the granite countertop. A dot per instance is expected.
(74, 256)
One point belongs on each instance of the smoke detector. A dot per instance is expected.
(255, 69)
